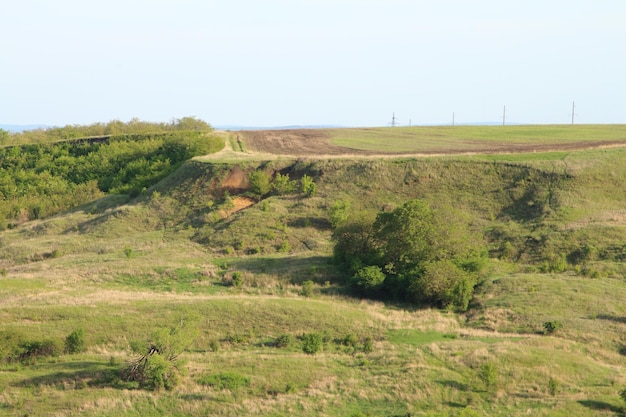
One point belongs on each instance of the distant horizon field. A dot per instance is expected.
(449, 139)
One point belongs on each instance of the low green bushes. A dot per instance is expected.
(225, 381)
(16, 347)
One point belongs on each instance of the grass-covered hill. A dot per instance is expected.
(227, 260)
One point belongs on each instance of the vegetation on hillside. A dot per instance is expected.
(41, 179)
(101, 130)
(278, 259)
(411, 253)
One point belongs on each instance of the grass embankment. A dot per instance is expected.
(119, 269)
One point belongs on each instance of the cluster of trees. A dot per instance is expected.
(262, 184)
(112, 128)
(412, 253)
(38, 180)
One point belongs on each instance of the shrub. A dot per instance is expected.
(488, 374)
(160, 373)
(312, 343)
(237, 280)
(10, 345)
(469, 412)
(368, 280)
(368, 345)
(443, 283)
(225, 380)
(282, 184)
(554, 264)
(214, 345)
(554, 387)
(308, 187)
(338, 212)
(307, 288)
(283, 341)
(157, 366)
(350, 340)
(75, 341)
(507, 251)
(34, 349)
(260, 183)
(551, 327)
(284, 247)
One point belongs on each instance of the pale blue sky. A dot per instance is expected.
(297, 62)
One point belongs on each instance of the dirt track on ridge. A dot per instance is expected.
(316, 143)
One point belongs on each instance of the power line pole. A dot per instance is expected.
(393, 120)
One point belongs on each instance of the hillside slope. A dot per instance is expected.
(253, 273)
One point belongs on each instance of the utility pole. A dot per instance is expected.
(504, 116)
(573, 108)
(393, 120)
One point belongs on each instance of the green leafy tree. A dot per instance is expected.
(426, 252)
(443, 283)
(355, 243)
(192, 123)
(339, 212)
(308, 186)
(426, 255)
(75, 341)
(312, 343)
(260, 183)
(407, 236)
(282, 184)
(5, 137)
(368, 280)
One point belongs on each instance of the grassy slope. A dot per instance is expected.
(424, 362)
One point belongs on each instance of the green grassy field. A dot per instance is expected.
(446, 139)
(121, 268)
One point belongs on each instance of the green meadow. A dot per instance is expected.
(444, 139)
(254, 277)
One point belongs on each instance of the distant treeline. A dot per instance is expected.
(50, 175)
(112, 128)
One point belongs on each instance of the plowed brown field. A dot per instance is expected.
(294, 142)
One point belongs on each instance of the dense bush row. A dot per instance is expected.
(38, 180)
(112, 128)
